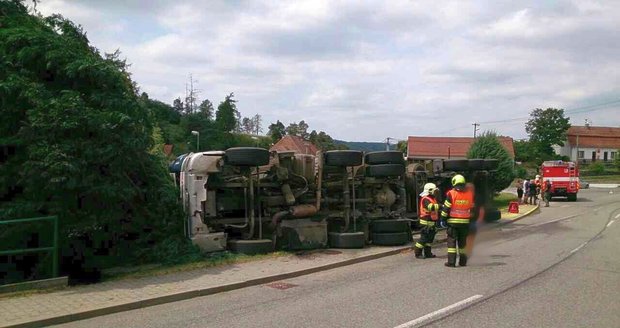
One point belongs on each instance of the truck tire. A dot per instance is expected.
(476, 164)
(390, 239)
(491, 164)
(382, 226)
(455, 165)
(347, 239)
(571, 197)
(385, 170)
(250, 247)
(246, 156)
(384, 157)
(343, 158)
(492, 214)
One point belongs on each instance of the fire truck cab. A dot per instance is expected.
(564, 177)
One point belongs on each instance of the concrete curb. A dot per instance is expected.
(201, 292)
(524, 215)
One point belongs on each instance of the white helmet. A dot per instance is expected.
(429, 188)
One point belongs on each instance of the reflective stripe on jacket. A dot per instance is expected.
(429, 209)
(458, 206)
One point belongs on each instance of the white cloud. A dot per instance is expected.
(367, 70)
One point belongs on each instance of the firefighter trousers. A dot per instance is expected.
(457, 240)
(427, 236)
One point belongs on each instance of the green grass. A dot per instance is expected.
(211, 260)
(502, 200)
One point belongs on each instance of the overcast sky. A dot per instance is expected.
(367, 70)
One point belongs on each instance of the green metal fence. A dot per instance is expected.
(53, 249)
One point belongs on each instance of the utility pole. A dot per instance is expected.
(387, 143)
(476, 125)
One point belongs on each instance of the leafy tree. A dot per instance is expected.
(489, 146)
(402, 146)
(226, 115)
(247, 125)
(206, 109)
(79, 137)
(276, 131)
(292, 129)
(324, 141)
(547, 127)
(258, 121)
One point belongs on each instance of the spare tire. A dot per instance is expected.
(491, 164)
(389, 226)
(390, 239)
(347, 239)
(246, 156)
(385, 170)
(456, 165)
(384, 157)
(250, 247)
(343, 158)
(476, 164)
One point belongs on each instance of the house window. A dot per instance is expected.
(580, 154)
(612, 155)
(605, 156)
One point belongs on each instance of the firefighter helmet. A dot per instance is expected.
(458, 179)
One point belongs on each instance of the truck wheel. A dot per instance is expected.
(250, 247)
(456, 165)
(571, 197)
(384, 157)
(247, 156)
(343, 157)
(385, 170)
(390, 239)
(382, 226)
(347, 239)
(476, 164)
(491, 164)
(492, 214)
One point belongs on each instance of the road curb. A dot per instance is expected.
(201, 292)
(526, 214)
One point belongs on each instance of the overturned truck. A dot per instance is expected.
(251, 200)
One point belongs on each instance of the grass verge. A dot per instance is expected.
(502, 200)
(601, 179)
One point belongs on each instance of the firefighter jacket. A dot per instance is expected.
(458, 206)
(429, 209)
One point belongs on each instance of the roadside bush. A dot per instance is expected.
(520, 172)
(488, 146)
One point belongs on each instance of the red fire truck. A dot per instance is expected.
(564, 177)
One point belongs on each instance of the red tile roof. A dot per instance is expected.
(444, 147)
(594, 136)
(296, 144)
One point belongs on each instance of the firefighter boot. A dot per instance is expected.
(451, 260)
(462, 260)
(427, 253)
(417, 249)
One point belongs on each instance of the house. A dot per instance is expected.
(419, 148)
(296, 144)
(590, 143)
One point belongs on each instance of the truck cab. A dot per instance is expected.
(564, 177)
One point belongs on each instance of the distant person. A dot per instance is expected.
(526, 189)
(533, 190)
(538, 182)
(520, 191)
(546, 187)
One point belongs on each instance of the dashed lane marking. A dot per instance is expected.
(610, 223)
(578, 248)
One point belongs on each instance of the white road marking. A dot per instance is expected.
(439, 312)
(610, 223)
(617, 216)
(578, 248)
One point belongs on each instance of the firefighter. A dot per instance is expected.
(429, 214)
(546, 189)
(457, 210)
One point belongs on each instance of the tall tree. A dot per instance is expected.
(547, 127)
(292, 129)
(258, 120)
(206, 109)
(226, 115)
(276, 131)
(177, 104)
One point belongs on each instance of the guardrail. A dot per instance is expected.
(53, 249)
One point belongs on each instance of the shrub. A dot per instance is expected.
(597, 168)
(489, 146)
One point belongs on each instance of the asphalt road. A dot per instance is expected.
(558, 268)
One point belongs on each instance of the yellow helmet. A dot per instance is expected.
(429, 188)
(458, 179)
